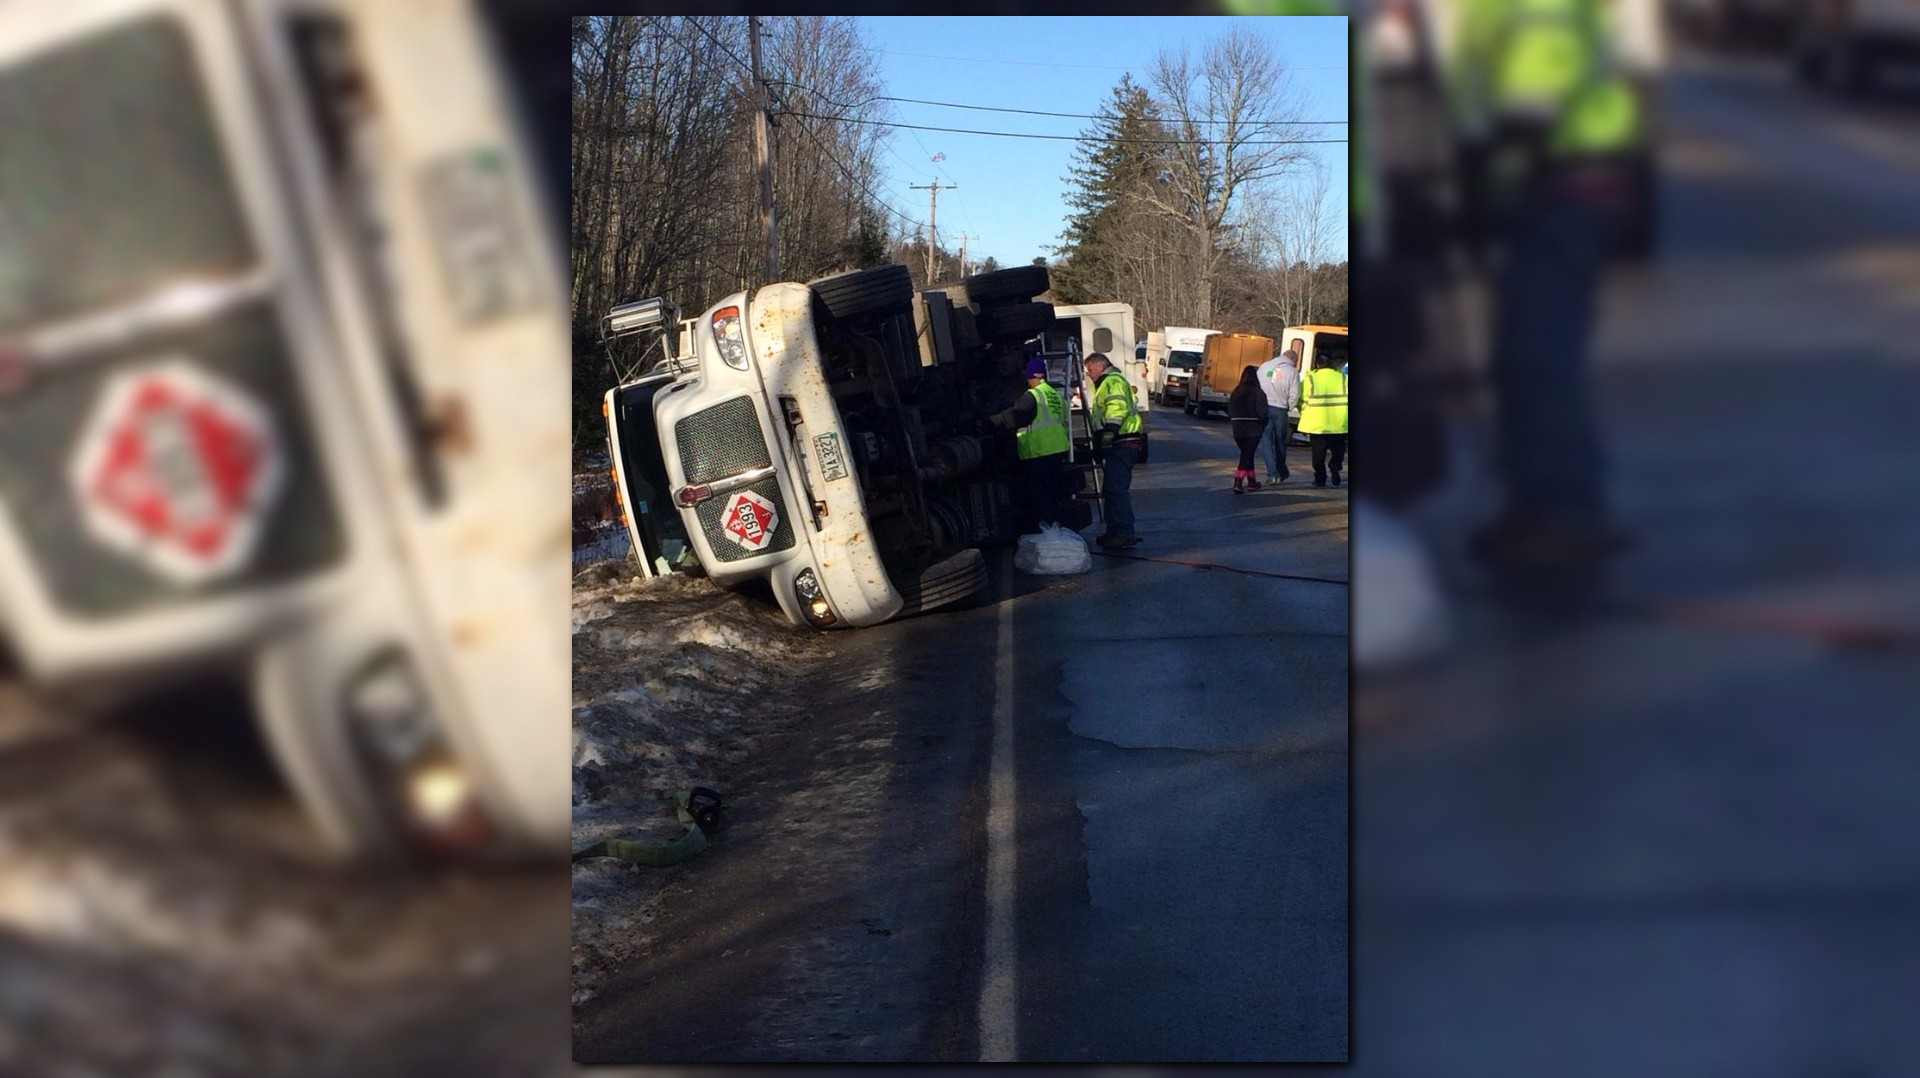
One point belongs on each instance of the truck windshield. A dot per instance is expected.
(1185, 361)
(643, 475)
(1332, 345)
(113, 184)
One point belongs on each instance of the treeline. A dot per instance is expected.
(1193, 199)
(666, 192)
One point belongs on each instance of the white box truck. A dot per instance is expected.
(1173, 354)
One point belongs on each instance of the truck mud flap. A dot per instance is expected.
(944, 583)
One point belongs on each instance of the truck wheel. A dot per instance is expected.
(945, 583)
(1020, 282)
(883, 290)
(1015, 319)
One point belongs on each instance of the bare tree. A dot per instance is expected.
(665, 194)
(1232, 116)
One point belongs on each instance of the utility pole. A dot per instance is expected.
(761, 140)
(933, 217)
(963, 253)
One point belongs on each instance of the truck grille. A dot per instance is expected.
(721, 441)
(302, 533)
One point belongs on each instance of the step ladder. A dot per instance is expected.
(1079, 430)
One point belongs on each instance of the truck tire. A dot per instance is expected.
(1015, 320)
(1020, 282)
(883, 290)
(960, 577)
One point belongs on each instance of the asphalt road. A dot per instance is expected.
(1652, 846)
(1090, 818)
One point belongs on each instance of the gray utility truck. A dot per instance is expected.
(829, 438)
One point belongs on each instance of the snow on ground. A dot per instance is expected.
(164, 910)
(676, 682)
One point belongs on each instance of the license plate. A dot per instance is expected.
(827, 448)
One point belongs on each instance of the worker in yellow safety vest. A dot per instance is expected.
(1039, 419)
(1119, 441)
(1323, 417)
(1535, 87)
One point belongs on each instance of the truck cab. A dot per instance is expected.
(829, 438)
(1311, 341)
(293, 397)
(1173, 354)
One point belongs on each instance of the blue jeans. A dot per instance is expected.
(1117, 489)
(1549, 434)
(1273, 442)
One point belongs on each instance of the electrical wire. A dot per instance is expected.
(1091, 116)
(851, 178)
(1073, 138)
(1048, 63)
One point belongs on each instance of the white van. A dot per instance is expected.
(296, 402)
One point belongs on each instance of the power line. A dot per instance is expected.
(1072, 138)
(851, 178)
(1087, 67)
(1087, 116)
(708, 34)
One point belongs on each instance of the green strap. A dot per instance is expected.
(658, 854)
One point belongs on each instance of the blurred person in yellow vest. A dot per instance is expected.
(1552, 124)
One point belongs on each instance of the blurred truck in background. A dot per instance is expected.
(1221, 361)
(829, 438)
(1172, 355)
(1851, 46)
(1310, 342)
(288, 397)
(1104, 328)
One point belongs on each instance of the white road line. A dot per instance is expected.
(999, 977)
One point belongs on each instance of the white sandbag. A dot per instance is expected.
(1399, 613)
(1053, 551)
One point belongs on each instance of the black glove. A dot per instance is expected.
(1003, 420)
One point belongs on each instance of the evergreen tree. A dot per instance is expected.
(1106, 167)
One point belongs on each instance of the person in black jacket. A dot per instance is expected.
(1247, 410)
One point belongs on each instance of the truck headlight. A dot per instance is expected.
(813, 601)
(731, 339)
(416, 773)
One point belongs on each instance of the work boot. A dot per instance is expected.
(1336, 479)
(1238, 479)
(1111, 541)
(1518, 543)
(1252, 483)
(1319, 480)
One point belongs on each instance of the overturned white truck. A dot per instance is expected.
(830, 438)
(282, 385)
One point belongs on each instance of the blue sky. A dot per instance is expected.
(1011, 195)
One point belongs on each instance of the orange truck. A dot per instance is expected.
(1226, 355)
